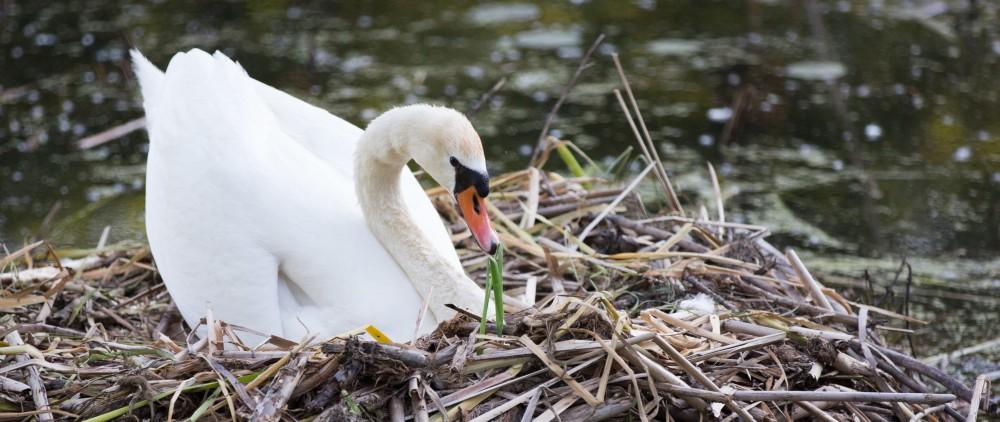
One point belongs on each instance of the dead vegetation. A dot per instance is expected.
(617, 330)
(632, 315)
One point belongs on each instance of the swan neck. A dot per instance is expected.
(379, 164)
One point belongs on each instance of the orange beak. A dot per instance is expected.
(474, 212)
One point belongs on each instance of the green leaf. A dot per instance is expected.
(496, 272)
(494, 285)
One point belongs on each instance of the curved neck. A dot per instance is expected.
(381, 157)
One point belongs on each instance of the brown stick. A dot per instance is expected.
(931, 372)
(640, 228)
(674, 202)
(696, 373)
(111, 134)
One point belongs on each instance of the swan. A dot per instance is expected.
(285, 219)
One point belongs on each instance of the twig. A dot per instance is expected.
(653, 152)
(472, 110)
(696, 373)
(551, 117)
(815, 289)
(927, 412)
(817, 412)
(111, 134)
(931, 372)
(610, 207)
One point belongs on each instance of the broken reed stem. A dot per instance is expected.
(671, 195)
(667, 189)
(551, 117)
(817, 413)
(34, 379)
(111, 134)
(273, 404)
(810, 396)
(977, 396)
(699, 376)
(610, 207)
(718, 200)
(815, 289)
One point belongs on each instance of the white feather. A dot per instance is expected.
(251, 207)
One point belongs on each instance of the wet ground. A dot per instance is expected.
(862, 132)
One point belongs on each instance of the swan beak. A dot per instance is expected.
(474, 212)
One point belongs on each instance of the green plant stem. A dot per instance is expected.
(200, 387)
(496, 269)
(486, 300)
(494, 285)
(571, 163)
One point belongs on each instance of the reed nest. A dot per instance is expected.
(627, 315)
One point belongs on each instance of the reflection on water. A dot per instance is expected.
(850, 127)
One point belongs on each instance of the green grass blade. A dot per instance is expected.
(486, 300)
(494, 285)
(496, 273)
(205, 405)
(105, 417)
(571, 163)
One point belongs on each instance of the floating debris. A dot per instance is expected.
(816, 71)
(674, 47)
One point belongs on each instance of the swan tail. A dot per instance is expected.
(150, 77)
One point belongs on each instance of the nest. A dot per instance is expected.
(628, 316)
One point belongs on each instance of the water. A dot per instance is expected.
(861, 132)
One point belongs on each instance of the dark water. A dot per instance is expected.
(860, 131)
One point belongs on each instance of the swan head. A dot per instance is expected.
(452, 154)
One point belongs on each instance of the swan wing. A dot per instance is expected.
(251, 211)
(333, 140)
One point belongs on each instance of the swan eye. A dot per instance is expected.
(453, 161)
(466, 178)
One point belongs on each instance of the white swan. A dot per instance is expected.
(256, 205)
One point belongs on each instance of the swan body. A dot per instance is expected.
(282, 218)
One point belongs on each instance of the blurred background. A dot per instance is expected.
(860, 131)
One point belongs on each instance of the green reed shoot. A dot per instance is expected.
(494, 285)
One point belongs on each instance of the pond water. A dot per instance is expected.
(862, 132)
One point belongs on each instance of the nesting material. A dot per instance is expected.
(648, 316)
